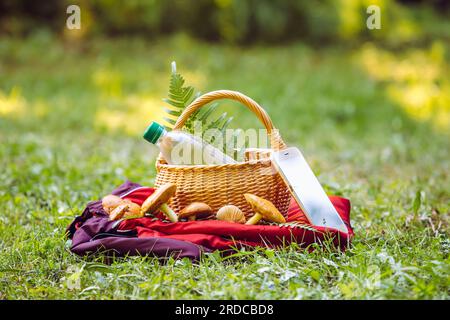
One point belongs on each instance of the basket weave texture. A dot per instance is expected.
(219, 185)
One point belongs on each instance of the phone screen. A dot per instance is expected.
(306, 189)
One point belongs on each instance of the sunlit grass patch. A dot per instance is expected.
(12, 104)
(80, 135)
(418, 80)
(130, 115)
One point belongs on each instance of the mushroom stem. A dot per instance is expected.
(169, 212)
(255, 219)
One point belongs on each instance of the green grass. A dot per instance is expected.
(71, 118)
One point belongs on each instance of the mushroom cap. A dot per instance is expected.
(133, 211)
(159, 197)
(110, 202)
(199, 209)
(265, 208)
(230, 213)
(119, 211)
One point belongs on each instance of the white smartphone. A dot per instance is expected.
(306, 189)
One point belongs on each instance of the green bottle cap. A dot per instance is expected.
(153, 132)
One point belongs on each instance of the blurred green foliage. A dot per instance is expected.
(71, 123)
(373, 121)
(237, 21)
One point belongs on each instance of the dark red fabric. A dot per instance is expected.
(220, 235)
(92, 232)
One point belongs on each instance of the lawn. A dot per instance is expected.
(372, 122)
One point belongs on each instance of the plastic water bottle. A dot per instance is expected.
(181, 148)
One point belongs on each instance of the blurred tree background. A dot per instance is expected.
(369, 108)
(237, 21)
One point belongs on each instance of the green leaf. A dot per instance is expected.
(170, 120)
(176, 104)
(269, 253)
(417, 202)
(204, 113)
(172, 112)
(315, 275)
(180, 96)
(226, 123)
(216, 123)
(231, 143)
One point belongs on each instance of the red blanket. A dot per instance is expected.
(221, 235)
(92, 232)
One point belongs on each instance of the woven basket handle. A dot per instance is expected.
(276, 142)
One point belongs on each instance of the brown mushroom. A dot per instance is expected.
(195, 210)
(264, 209)
(133, 211)
(158, 201)
(119, 211)
(110, 202)
(126, 210)
(230, 213)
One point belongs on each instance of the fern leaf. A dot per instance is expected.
(180, 96)
(232, 147)
(170, 120)
(217, 122)
(204, 113)
(172, 112)
(176, 104)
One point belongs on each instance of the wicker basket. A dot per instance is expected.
(219, 185)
